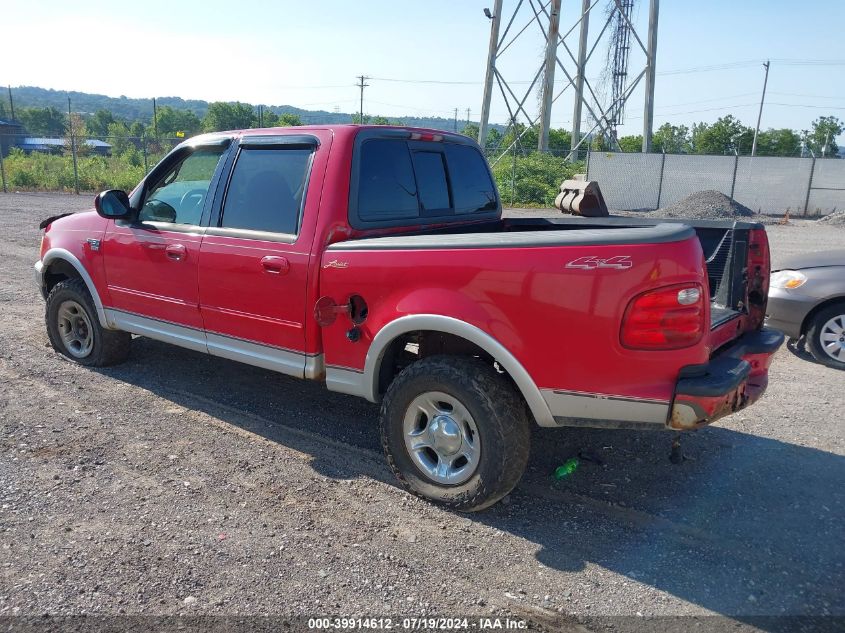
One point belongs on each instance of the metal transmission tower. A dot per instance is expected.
(618, 64)
(531, 18)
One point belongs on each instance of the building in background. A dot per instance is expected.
(11, 133)
(31, 144)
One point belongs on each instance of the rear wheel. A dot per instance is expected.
(826, 336)
(75, 330)
(455, 431)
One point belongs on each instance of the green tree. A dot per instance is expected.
(471, 130)
(379, 120)
(98, 123)
(783, 142)
(524, 140)
(494, 138)
(722, 137)
(3, 114)
(42, 121)
(228, 116)
(560, 141)
(633, 143)
(118, 137)
(269, 119)
(822, 138)
(533, 179)
(672, 139)
(170, 121)
(77, 134)
(288, 119)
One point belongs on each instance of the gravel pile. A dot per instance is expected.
(837, 218)
(708, 205)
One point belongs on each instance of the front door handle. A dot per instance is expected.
(176, 252)
(274, 265)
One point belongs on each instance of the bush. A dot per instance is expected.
(51, 172)
(536, 176)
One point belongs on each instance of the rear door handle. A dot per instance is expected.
(274, 265)
(176, 252)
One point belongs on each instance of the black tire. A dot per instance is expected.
(497, 410)
(107, 347)
(816, 330)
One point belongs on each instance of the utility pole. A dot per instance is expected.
(491, 70)
(579, 77)
(648, 114)
(155, 118)
(468, 111)
(260, 116)
(549, 76)
(456, 119)
(72, 148)
(11, 103)
(362, 85)
(760, 113)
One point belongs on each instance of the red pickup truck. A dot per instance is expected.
(376, 259)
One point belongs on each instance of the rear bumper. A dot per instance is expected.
(728, 383)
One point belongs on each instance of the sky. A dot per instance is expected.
(428, 57)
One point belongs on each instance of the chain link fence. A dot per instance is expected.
(768, 185)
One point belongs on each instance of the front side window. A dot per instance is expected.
(266, 190)
(179, 196)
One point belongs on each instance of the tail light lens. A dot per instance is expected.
(666, 318)
(757, 284)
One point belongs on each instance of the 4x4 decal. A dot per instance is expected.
(590, 262)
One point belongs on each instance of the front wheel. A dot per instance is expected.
(826, 336)
(455, 431)
(75, 330)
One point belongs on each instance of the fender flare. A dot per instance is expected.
(61, 254)
(449, 325)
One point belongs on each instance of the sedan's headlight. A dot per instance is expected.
(788, 279)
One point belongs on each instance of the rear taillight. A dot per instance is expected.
(757, 285)
(666, 318)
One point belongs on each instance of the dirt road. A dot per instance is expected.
(181, 483)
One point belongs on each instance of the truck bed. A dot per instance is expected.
(722, 241)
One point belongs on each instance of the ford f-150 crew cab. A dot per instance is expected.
(376, 260)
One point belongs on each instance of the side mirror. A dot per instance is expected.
(113, 204)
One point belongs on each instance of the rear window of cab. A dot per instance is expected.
(400, 181)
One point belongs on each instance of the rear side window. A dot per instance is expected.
(400, 182)
(386, 186)
(471, 184)
(266, 190)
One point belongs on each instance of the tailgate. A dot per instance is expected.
(737, 260)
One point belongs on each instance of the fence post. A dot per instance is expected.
(809, 185)
(660, 184)
(733, 179)
(3, 171)
(75, 168)
(144, 145)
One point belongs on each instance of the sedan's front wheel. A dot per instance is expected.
(826, 336)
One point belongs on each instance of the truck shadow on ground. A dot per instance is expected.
(746, 525)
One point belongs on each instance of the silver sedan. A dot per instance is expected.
(807, 299)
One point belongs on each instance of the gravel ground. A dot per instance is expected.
(182, 484)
